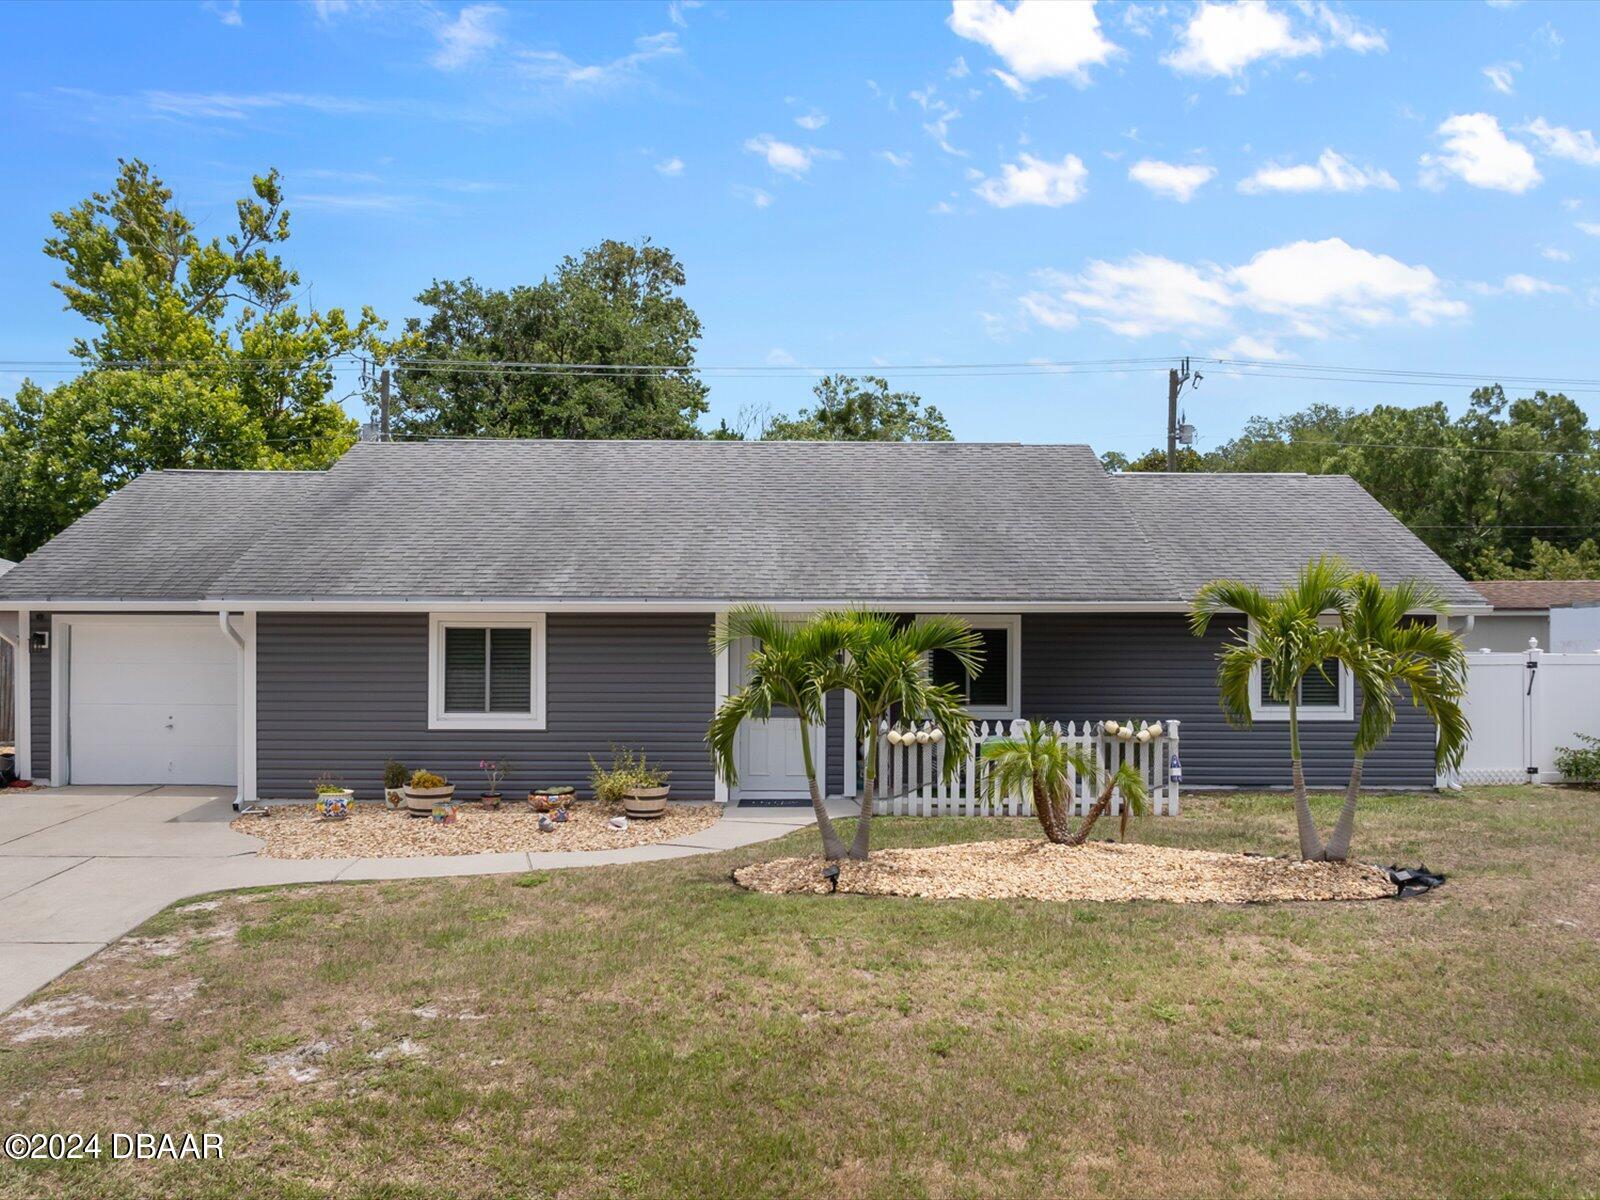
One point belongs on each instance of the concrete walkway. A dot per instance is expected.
(80, 866)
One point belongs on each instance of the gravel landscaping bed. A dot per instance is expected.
(1038, 870)
(295, 831)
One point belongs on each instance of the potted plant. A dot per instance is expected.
(640, 788)
(394, 784)
(425, 790)
(494, 770)
(333, 798)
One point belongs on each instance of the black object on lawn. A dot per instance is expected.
(831, 874)
(1413, 880)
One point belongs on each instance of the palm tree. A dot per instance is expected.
(793, 664)
(886, 667)
(1401, 651)
(1040, 765)
(1286, 641)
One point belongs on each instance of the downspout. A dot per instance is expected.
(239, 740)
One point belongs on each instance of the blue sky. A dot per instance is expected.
(877, 186)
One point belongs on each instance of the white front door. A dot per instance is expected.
(771, 764)
(149, 700)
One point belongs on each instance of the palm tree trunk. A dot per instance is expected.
(1102, 802)
(832, 844)
(1310, 844)
(1339, 840)
(861, 846)
(1049, 810)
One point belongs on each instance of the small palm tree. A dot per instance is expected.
(793, 664)
(886, 667)
(1288, 641)
(1040, 765)
(1380, 629)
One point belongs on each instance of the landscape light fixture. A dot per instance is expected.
(831, 874)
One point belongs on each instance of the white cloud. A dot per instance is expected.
(677, 8)
(1518, 285)
(1140, 19)
(1012, 84)
(1312, 288)
(901, 161)
(1037, 39)
(1592, 228)
(1555, 254)
(1033, 180)
(1346, 31)
(226, 11)
(1502, 76)
(1576, 144)
(1477, 151)
(958, 69)
(813, 120)
(759, 197)
(1245, 346)
(1224, 39)
(779, 357)
(554, 67)
(670, 167)
(1178, 181)
(1332, 172)
(940, 115)
(785, 157)
(470, 35)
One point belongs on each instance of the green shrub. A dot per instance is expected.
(427, 779)
(394, 773)
(627, 772)
(1581, 765)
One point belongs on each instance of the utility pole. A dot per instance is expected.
(1176, 378)
(383, 406)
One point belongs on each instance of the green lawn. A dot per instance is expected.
(654, 1031)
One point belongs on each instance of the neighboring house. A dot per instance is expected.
(7, 686)
(1563, 614)
(445, 602)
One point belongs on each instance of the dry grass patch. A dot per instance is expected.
(295, 831)
(1036, 870)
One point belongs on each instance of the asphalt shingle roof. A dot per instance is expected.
(570, 520)
(1538, 593)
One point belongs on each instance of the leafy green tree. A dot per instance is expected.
(794, 665)
(1188, 459)
(198, 357)
(618, 306)
(1382, 630)
(860, 410)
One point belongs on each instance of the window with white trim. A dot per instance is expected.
(486, 672)
(1327, 693)
(995, 689)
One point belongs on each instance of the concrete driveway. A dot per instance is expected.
(80, 866)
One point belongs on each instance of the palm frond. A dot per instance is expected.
(1226, 595)
(750, 703)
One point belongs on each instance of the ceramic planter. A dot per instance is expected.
(395, 798)
(490, 800)
(444, 812)
(551, 798)
(420, 801)
(334, 806)
(646, 804)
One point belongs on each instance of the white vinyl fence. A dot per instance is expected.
(1523, 708)
(911, 780)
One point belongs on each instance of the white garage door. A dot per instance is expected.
(151, 701)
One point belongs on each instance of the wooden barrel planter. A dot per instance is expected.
(645, 804)
(420, 801)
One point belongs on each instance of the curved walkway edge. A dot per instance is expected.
(81, 866)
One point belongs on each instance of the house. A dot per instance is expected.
(1562, 615)
(444, 602)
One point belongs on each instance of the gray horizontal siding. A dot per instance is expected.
(39, 700)
(833, 776)
(345, 692)
(1092, 667)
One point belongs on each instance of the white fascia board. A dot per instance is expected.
(530, 603)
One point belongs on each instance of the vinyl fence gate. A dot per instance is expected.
(1525, 706)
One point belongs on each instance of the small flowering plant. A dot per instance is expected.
(494, 770)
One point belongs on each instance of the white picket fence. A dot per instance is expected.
(911, 779)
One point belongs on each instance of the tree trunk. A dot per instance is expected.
(862, 845)
(1339, 840)
(1049, 811)
(1102, 802)
(832, 844)
(1310, 844)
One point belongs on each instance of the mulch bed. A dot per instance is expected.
(1036, 870)
(295, 831)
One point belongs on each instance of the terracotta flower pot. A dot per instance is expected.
(420, 801)
(646, 804)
